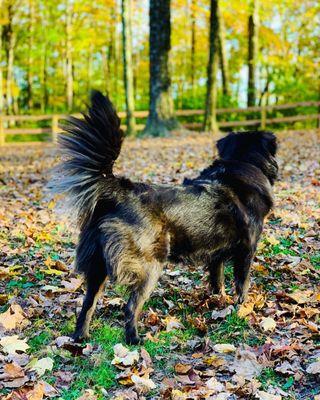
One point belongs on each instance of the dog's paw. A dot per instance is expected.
(79, 337)
(133, 339)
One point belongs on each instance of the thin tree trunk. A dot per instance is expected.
(69, 61)
(253, 26)
(1, 72)
(161, 111)
(44, 80)
(224, 65)
(127, 62)
(30, 58)
(210, 120)
(193, 45)
(10, 38)
(10, 72)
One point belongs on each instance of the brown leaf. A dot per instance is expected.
(182, 368)
(13, 318)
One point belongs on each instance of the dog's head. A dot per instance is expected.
(255, 147)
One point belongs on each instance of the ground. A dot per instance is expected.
(196, 346)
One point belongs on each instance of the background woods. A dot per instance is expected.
(214, 54)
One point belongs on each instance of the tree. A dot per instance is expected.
(9, 39)
(127, 62)
(1, 72)
(253, 26)
(69, 60)
(210, 120)
(30, 54)
(193, 44)
(223, 58)
(161, 117)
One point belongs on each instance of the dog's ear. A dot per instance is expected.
(226, 145)
(269, 142)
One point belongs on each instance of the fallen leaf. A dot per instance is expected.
(261, 395)
(41, 366)
(272, 240)
(246, 365)
(13, 318)
(245, 309)
(123, 356)
(314, 368)
(214, 385)
(72, 285)
(12, 344)
(88, 395)
(182, 368)
(268, 324)
(224, 348)
(172, 323)
(37, 392)
(142, 383)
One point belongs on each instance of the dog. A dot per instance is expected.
(128, 230)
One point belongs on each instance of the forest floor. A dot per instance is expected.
(196, 346)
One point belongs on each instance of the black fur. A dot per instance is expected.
(128, 229)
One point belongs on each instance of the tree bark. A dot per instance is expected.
(1, 71)
(69, 61)
(9, 42)
(224, 65)
(161, 117)
(253, 26)
(127, 62)
(210, 120)
(30, 59)
(193, 45)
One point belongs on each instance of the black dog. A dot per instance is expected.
(128, 229)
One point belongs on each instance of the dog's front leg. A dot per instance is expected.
(136, 301)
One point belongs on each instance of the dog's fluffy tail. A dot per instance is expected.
(91, 146)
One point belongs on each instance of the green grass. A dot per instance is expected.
(269, 377)
(315, 260)
(235, 330)
(38, 341)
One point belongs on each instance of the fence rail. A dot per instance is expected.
(263, 121)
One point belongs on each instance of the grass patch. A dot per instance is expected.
(269, 377)
(235, 330)
(38, 341)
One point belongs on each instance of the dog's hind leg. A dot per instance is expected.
(136, 301)
(216, 271)
(95, 280)
(242, 263)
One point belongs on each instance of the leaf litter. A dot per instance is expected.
(197, 345)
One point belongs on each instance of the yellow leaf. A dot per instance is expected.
(268, 324)
(272, 240)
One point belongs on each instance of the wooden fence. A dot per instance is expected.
(262, 121)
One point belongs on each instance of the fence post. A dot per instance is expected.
(55, 128)
(2, 134)
(263, 117)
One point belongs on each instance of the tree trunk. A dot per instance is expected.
(127, 62)
(193, 45)
(253, 25)
(9, 37)
(1, 72)
(161, 115)
(30, 59)
(69, 62)
(223, 58)
(210, 119)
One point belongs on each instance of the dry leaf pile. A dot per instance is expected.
(197, 346)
